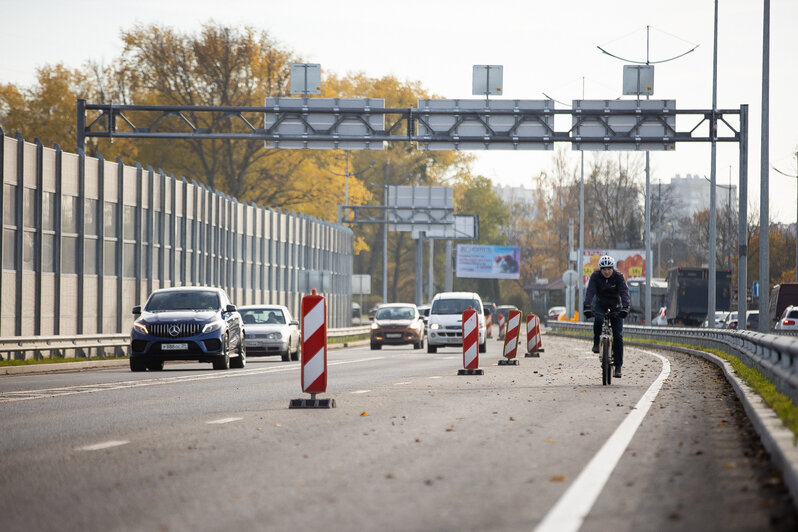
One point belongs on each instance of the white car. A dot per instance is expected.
(788, 320)
(270, 330)
(444, 323)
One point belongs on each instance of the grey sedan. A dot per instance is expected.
(270, 330)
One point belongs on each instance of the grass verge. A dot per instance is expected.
(58, 360)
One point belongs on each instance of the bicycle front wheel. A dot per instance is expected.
(606, 367)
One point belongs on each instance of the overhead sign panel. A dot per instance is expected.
(420, 208)
(324, 123)
(624, 125)
(465, 227)
(483, 125)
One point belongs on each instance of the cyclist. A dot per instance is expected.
(607, 290)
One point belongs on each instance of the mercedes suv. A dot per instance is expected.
(187, 323)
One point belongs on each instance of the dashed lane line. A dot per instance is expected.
(102, 445)
(224, 420)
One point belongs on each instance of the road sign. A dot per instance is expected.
(305, 78)
(755, 291)
(638, 79)
(569, 277)
(486, 80)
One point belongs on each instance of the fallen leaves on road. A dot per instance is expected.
(364, 414)
(557, 478)
(450, 428)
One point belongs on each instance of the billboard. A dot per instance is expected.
(630, 262)
(488, 262)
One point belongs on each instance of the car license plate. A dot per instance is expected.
(174, 347)
(393, 335)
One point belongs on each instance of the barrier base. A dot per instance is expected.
(312, 403)
(508, 362)
(470, 372)
(536, 354)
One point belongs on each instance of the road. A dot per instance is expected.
(410, 446)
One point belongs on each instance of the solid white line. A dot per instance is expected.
(436, 377)
(571, 510)
(400, 383)
(224, 420)
(360, 391)
(103, 445)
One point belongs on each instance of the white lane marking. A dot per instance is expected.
(360, 391)
(569, 513)
(400, 383)
(224, 420)
(450, 358)
(13, 396)
(103, 445)
(436, 377)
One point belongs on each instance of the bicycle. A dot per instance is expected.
(605, 348)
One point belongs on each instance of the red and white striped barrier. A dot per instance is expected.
(501, 327)
(533, 343)
(511, 338)
(470, 327)
(488, 325)
(314, 352)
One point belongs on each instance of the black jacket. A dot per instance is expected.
(610, 293)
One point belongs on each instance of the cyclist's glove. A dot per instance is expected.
(588, 313)
(623, 313)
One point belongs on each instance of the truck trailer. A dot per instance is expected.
(688, 291)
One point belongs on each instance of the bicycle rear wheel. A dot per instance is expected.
(606, 367)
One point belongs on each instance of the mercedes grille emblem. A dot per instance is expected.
(174, 329)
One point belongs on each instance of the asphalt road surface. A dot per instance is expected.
(410, 446)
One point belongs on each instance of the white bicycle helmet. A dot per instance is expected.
(606, 262)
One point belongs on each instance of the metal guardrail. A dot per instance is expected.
(34, 347)
(774, 355)
(109, 345)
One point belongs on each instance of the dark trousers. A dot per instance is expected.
(617, 333)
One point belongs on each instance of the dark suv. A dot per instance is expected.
(187, 323)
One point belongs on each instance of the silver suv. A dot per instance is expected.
(444, 324)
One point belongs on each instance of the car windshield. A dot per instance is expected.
(188, 300)
(454, 306)
(261, 316)
(793, 314)
(396, 313)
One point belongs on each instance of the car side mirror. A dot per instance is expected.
(294, 322)
(137, 310)
(230, 308)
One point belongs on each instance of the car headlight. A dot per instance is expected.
(141, 327)
(435, 326)
(274, 336)
(212, 326)
(375, 326)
